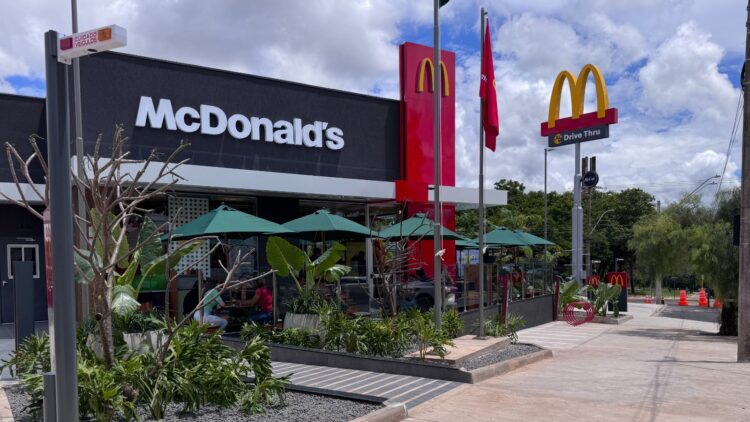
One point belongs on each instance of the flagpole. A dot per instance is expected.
(481, 189)
(436, 94)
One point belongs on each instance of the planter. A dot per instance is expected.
(307, 356)
(94, 342)
(146, 341)
(609, 319)
(310, 322)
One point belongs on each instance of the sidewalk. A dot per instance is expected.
(653, 368)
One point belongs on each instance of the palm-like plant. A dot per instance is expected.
(289, 261)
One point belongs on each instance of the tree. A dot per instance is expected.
(661, 247)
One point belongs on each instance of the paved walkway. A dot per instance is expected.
(394, 388)
(652, 368)
(560, 335)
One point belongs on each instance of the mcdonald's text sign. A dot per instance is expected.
(578, 121)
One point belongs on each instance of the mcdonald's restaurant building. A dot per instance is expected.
(272, 148)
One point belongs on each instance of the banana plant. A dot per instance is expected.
(148, 256)
(288, 261)
(570, 292)
(604, 294)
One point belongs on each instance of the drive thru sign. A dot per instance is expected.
(88, 42)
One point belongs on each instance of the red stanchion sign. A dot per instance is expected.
(620, 278)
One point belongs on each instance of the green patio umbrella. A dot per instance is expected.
(466, 244)
(416, 227)
(322, 225)
(502, 236)
(228, 222)
(531, 239)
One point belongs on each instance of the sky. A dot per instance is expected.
(672, 69)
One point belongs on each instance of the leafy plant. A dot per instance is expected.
(32, 356)
(570, 292)
(508, 328)
(289, 261)
(100, 394)
(453, 324)
(604, 294)
(139, 322)
(427, 336)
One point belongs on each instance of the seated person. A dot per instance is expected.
(264, 300)
(212, 301)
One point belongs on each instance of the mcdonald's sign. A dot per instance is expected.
(580, 126)
(427, 67)
(620, 278)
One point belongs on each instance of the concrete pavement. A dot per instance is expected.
(657, 367)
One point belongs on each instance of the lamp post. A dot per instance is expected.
(588, 243)
(705, 183)
(618, 260)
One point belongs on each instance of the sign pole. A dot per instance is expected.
(481, 193)
(79, 158)
(436, 92)
(577, 217)
(61, 220)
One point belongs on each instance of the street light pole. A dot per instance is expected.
(704, 184)
(616, 261)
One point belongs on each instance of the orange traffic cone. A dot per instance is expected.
(647, 299)
(702, 299)
(717, 303)
(683, 299)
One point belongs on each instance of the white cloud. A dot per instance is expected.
(661, 59)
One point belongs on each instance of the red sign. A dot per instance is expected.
(620, 278)
(417, 138)
(48, 254)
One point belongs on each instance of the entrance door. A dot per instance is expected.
(20, 249)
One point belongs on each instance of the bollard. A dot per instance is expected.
(50, 412)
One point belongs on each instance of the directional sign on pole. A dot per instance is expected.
(89, 42)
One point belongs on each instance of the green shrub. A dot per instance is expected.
(426, 335)
(452, 323)
(197, 369)
(139, 322)
(604, 294)
(499, 328)
(32, 356)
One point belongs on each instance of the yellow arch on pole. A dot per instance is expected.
(578, 93)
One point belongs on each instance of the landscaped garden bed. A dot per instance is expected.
(296, 407)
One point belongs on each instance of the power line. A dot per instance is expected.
(732, 139)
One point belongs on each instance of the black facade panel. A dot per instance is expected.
(21, 117)
(112, 85)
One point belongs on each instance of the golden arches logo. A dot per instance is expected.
(617, 279)
(577, 93)
(427, 66)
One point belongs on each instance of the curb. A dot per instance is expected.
(500, 368)
(392, 413)
(611, 320)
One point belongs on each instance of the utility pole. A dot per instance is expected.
(743, 332)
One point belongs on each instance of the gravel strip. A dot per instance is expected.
(495, 356)
(297, 407)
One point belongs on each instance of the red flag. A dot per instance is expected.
(487, 93)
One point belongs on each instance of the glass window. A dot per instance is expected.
(23, 253)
